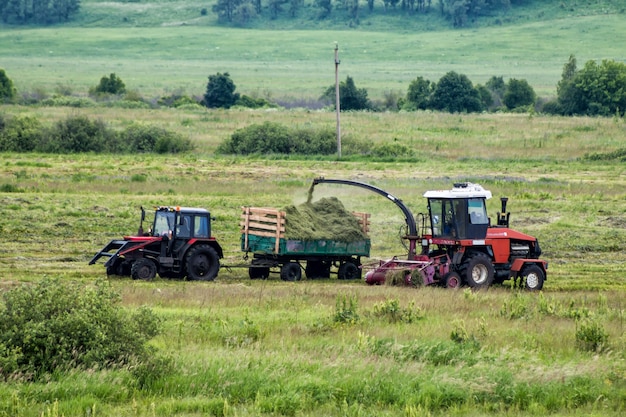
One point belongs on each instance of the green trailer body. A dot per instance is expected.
(263, 236)
(267, 245)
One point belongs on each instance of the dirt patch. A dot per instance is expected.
(325, 219)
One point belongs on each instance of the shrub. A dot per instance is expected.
(54, 325)
(78, 134)
(276, 138)
(110, 85)
(7, 90)
(253, 103)
(20, 134)
(346, 310)
(145, 138)
(591, 336)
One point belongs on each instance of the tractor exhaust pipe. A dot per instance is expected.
(503, 216)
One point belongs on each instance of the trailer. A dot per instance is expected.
(263, 235)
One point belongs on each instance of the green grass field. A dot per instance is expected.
(244, 347)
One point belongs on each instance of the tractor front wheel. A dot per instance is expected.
(203, 263)
(144, 269)
(479, 271)
(533, 277)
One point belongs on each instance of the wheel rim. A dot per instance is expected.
(532, 280)
(453, 282)
(479, 274)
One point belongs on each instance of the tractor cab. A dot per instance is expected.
(181, 223)
(460, 213)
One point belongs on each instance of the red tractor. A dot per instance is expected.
(459, 245)
(178, 245)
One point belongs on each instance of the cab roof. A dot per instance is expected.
(461, 190)
(188, 210)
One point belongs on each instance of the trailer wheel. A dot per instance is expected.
(317, 269)
(479, 271)
(144, 269)
(533, 277)
(258, 272)
(452, 280)
(291, 271)
(203, 263)
(349, 270)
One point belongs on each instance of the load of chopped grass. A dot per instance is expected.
(325, 219)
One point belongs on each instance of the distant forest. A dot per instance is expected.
(243, 12)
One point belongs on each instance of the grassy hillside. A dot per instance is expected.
(155, 60)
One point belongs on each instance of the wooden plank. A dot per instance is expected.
(262, 234)
(263, 226)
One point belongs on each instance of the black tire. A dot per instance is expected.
(349, 270)
(258, 272)
(317, 269)
(452, 280)
(533, 277)
(202, 263)
(291, 271)
(478, 271)
(144, 269)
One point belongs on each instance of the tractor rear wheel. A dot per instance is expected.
(203, 263)
(478, 271)
(348, 270)
(533, 277)
(144, 269)
(291, 271)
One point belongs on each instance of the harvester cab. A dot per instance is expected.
(460, 213)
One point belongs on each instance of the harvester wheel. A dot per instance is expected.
(144, 269)
(291, 271)
(533, 277)
(452, 280)
(203, 263)
(478, 271)
(348, 270)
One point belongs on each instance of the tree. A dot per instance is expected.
(7, 90)
(350, 97)
(418, 96)
(37, 11)
(225, 9)
(111, 85)
(220, 91)
(518, 93)
(455, 93)
(596, 89)
(324, 8)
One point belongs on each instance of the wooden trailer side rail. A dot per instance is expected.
(259, 221)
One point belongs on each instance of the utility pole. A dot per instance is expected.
(337, 109)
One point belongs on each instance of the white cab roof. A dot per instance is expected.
(460, 190)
